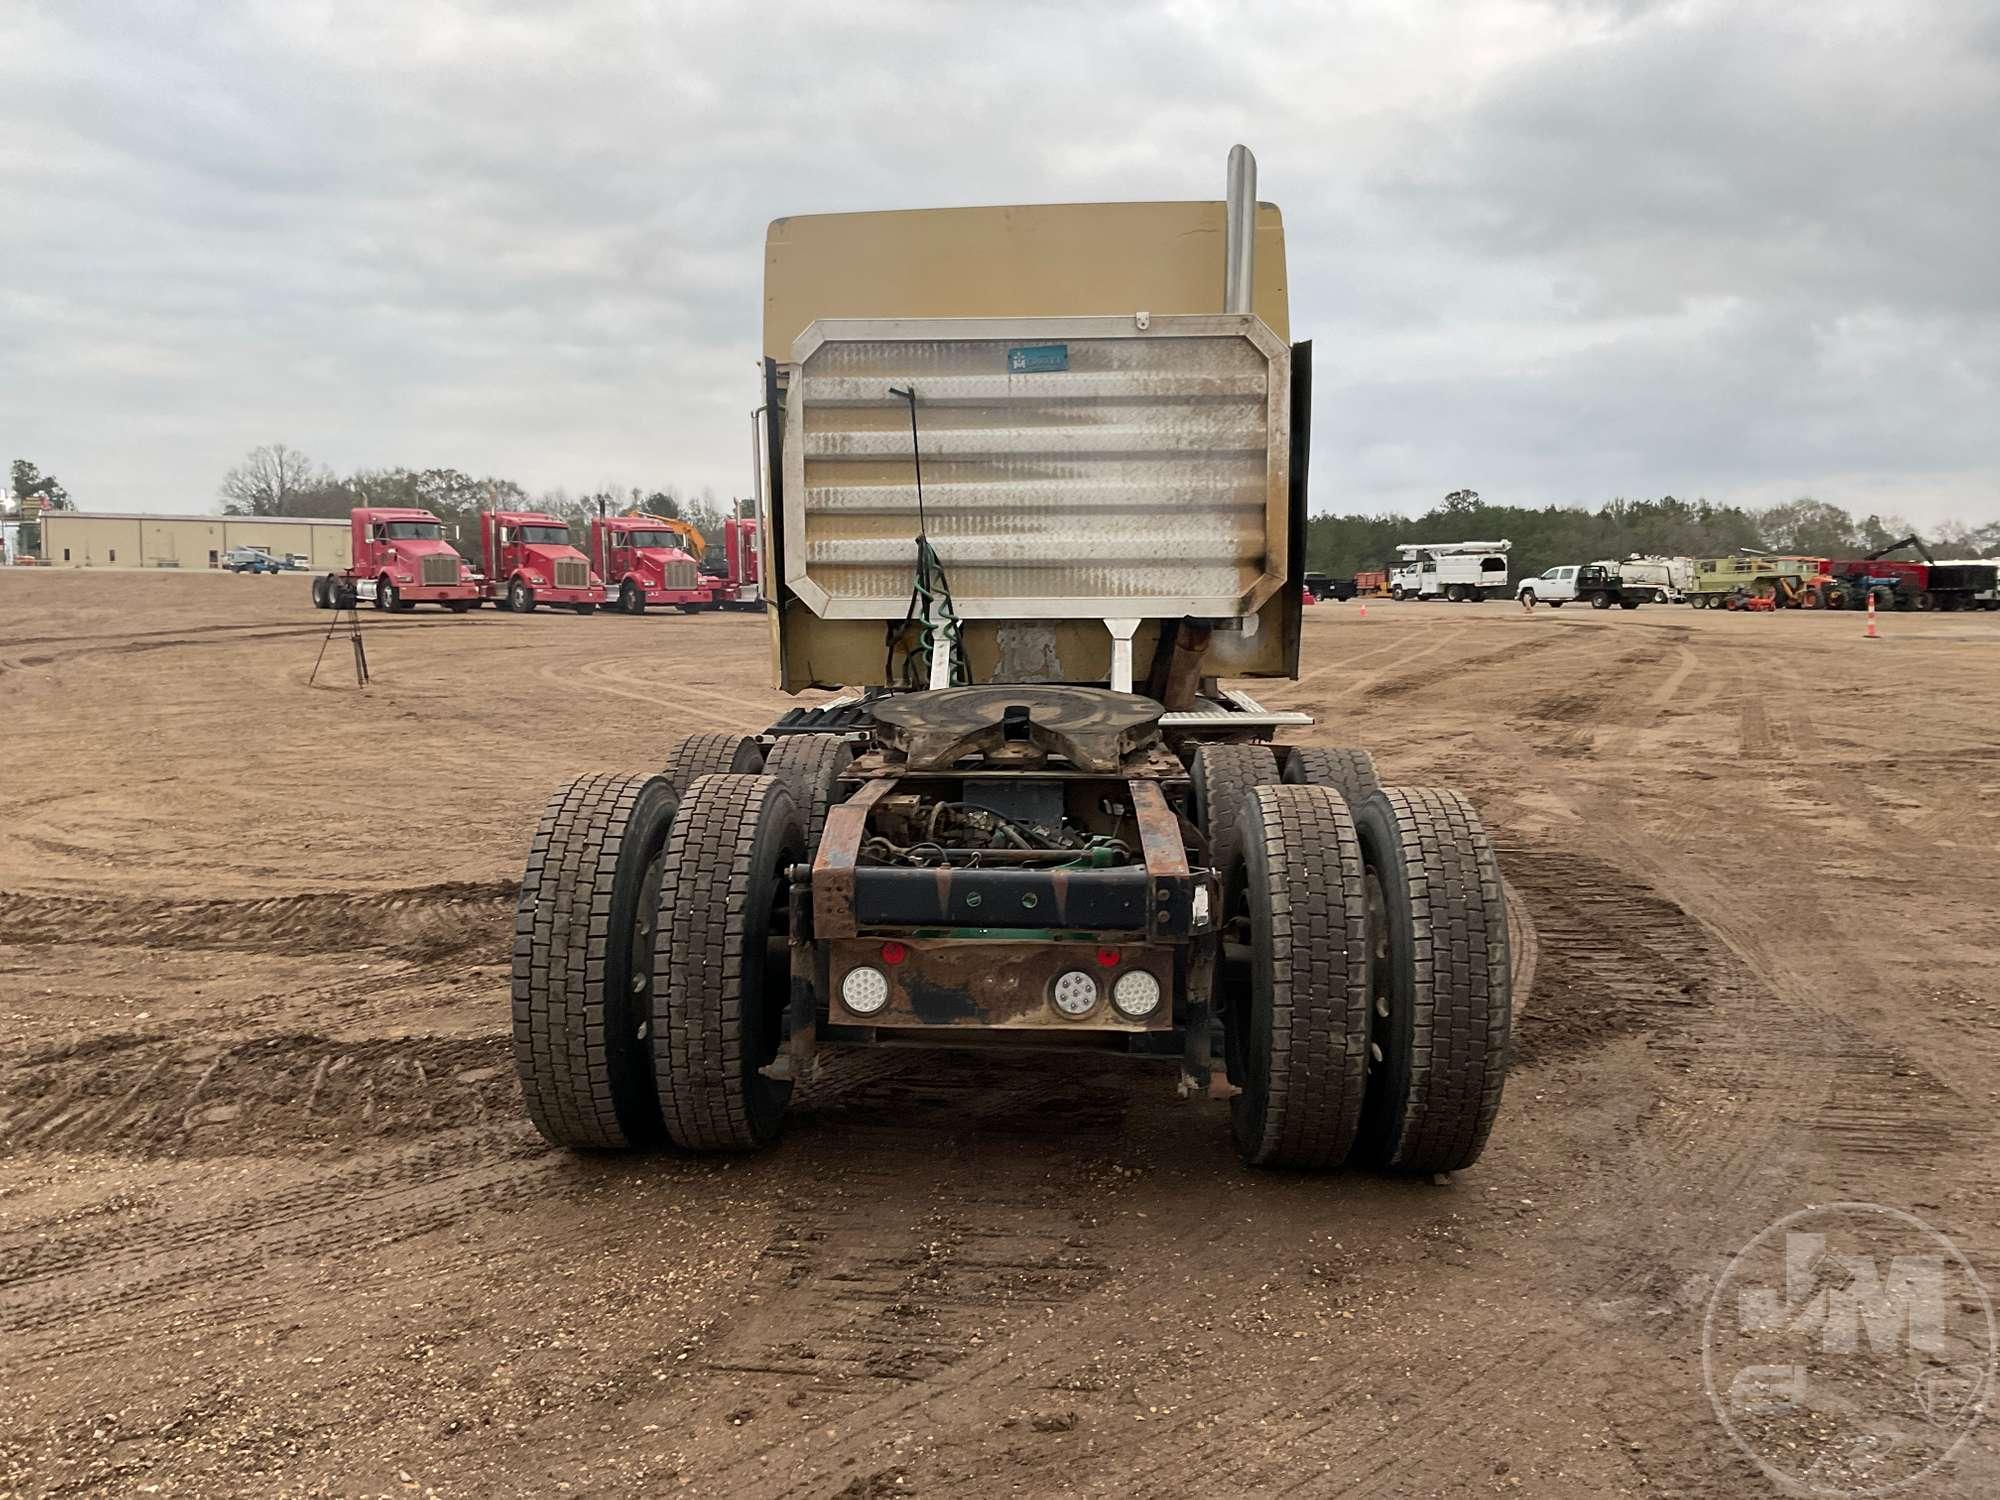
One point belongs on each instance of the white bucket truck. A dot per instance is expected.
(1459, 571)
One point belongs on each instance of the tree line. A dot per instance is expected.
(1546, 536)
(277, 480)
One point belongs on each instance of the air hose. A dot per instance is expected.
(931, 609)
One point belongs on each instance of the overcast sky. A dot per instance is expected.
(1554, 252)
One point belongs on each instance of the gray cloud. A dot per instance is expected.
(1556, 252)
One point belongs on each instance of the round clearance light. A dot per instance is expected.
(1136, 994)
(1075, 994)
(864, 991)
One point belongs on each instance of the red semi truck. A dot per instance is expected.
(735, 576)
(529, 561)
(649, 560)
(399, 559)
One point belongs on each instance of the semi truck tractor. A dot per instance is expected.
(1036, 818)
(399, 558)
(734, 573)
(649, 561)
(529, 562)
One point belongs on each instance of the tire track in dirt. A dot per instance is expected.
(1585, 717)
(981, 1203)
(1439, 640)
(604, 676)
(1848, 789)
(1603, 937)
(151, 1096)
(12, 643)
(894, 1281)
(150, 1275)
(1927, 1117)
(1405, 683)
(56, 657)
(426, 921)
(1394, 680)
(1879, 1114)
(1629, 945)
(1766, 1048)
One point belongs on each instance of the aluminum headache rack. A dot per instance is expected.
(1073, 468)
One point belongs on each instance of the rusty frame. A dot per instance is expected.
(839, 853)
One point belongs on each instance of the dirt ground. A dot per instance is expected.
(272, 1221)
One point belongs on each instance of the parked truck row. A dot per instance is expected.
(1760, 581)
(1767, 581)
(400, 558)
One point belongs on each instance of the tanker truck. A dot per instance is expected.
(1029, 520)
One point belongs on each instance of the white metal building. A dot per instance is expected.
(105, 539)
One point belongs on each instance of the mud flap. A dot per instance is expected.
(799, 1052)
(1200, 1078)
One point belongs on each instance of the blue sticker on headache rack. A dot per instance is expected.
(1035, 359)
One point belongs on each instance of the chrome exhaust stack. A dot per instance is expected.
(1240, 263)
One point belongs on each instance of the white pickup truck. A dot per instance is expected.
(1602, 583)
(1555, 587)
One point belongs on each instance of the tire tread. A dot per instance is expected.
(708, 889)
(568, 993)
(1352, 773)
(810, 766)
(1300, 842)
(715, 753)
(1224, 776)
(1461, 996)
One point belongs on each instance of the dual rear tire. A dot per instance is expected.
(1370, 1024)
(648, 996)
(1366, 1023)
(583, 962)
(330, 592)
(650, 979)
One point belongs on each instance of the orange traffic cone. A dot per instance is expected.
(1871, 635)
(1364, 609)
